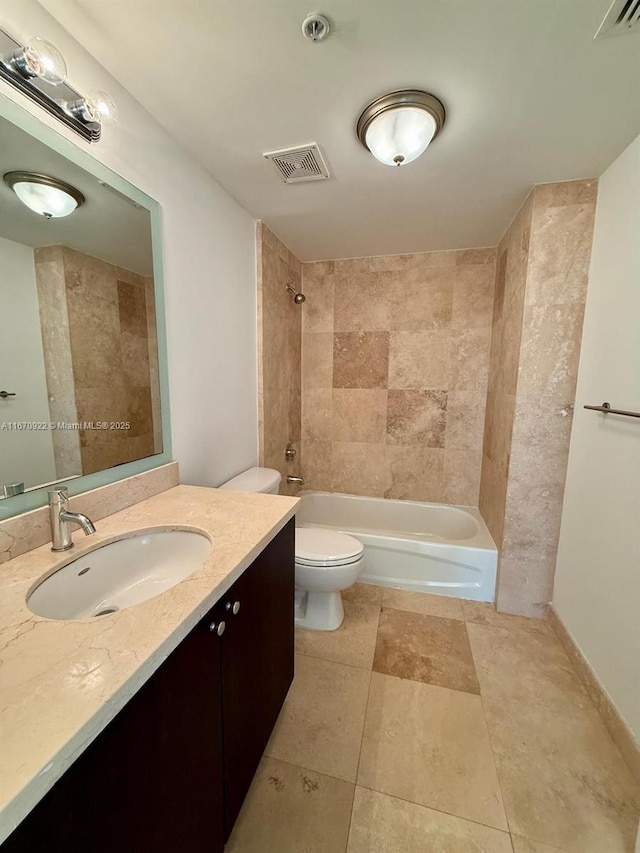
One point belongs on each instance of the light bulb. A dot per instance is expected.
(400, 135)
(41, 59)
(101, 107)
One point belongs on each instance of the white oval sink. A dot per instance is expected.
(119, 574)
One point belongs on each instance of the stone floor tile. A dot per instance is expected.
(367, 593)
(383, 823)
(353, 643)
(430, 745)
(563, 781)
(289, 810)
(523, 845)
(485, 613)
(423, 602)
(320, 726)
(425, 648)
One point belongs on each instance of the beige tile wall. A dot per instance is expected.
(56, 345)
(97, 358)
(279, 355)
(444, 376)
(541, 284)
(508, 310)
(395, 354)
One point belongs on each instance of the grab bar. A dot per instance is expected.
(606, 409)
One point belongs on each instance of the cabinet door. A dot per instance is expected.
(257, 663)
(152, 780)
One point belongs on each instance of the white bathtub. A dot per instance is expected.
(420, 546)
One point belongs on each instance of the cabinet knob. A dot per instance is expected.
(217, 628)
(234, 608)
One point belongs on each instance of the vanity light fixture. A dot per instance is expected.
(38, 70)
(39, 58)
(398, 127)
(47, 196)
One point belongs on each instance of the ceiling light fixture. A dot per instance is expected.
(398, 127)
(36, 66)
(46, 196)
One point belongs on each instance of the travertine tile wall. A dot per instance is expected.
(107, 333)
(395, 358)
(54, 326)
(541, 284)
(508, 309)
(279, 355)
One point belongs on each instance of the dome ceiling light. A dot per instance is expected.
(398, 127)
(46, 196)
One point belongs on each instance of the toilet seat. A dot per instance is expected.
(326, 548)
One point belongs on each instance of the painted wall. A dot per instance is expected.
(209, 263)
(395, 358)
(597, 586)
(27, 455)
(279, 347)
(543, 264)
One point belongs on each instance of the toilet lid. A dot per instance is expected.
(326, 547)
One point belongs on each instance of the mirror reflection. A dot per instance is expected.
(78, 338)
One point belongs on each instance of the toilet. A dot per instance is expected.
(326, 561)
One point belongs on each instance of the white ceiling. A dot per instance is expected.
(530, 97)
(106, 226)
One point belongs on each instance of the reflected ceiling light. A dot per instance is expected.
(47, 196)
(398, 127)
(39, 58)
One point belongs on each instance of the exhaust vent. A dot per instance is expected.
(303, 163)
(623, 17)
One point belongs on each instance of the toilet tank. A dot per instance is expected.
(255, 480)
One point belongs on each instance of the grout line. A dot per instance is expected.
(491, 746)
(434, 809)
(385, 794)
(333, 660)
(495, 764)
(364, 724)
(308, 769)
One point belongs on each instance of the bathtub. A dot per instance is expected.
(419, 546)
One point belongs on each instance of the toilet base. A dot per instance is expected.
(319, 611)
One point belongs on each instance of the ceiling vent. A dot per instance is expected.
(303, 163)
(623, 17)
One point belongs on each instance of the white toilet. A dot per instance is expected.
(326, 561)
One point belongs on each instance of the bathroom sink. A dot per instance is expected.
(119, 574)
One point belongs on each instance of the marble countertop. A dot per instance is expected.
(61, 682)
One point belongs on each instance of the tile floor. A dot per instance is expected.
(431, 724)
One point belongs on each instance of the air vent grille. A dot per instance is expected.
(623, 17)
(302, 163)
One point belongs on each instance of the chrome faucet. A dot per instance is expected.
(297, 481)
(62, 519)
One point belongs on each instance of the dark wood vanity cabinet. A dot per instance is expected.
(257, 663)
(171, 771)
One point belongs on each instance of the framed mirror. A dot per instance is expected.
(83, 374)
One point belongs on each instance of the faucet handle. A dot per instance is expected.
(59, 495)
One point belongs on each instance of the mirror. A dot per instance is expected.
(79, 330)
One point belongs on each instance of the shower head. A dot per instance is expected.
(298, 298)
